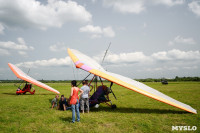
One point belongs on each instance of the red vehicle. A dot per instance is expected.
(29, 81)
(27, 88)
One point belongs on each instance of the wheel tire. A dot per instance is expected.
(113, 106)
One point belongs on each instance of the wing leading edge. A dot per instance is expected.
(86, 63)
(20, 74)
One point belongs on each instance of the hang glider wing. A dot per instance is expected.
(20, 74)
(88, 64)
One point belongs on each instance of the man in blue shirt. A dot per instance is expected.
(62, 103)
(85, 97)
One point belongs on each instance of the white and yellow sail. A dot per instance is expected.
(88, 64)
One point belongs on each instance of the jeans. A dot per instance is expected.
(75, 107)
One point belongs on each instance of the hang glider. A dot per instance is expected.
(20, 74)
(88, 64)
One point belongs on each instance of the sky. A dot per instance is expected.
(149, 38)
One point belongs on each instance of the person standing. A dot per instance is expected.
(85, 97)
(74, 101)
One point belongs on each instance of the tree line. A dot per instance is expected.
(176, 79)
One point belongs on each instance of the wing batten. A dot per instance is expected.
(20, 74)
(128, 83)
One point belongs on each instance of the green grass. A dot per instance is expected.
(134, 113)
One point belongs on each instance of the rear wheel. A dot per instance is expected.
(113, 106)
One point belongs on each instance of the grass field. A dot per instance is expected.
(134, 113)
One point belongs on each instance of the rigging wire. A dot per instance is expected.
(73, 69)
(105, 53)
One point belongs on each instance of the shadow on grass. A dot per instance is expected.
(66, 119)
(50, 100)
(9, 93)
(45, 94)
(138, 110)
(26, 94)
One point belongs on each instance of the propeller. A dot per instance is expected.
(111, 84)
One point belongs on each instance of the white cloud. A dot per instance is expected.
(195, 7)
(126, 6)
(95, 36)
(91, 29)
(190, 67)
(58, 47)
(20, 45)
(175, 54)
(169, 2)
(137, 6)
(22, 52)
(180, 39)
(162, 55)
(32, 13)
(46, 63)
(108, 32)
(170, 68)
(4, 52)
(184, 55)
(132, 57)
(172, 61)
(1, 29)
(97, 31)
(161, 69)
(140, 57)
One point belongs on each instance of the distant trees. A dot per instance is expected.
(186, 78)
(176, 79)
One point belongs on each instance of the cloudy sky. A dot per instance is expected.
(149, 38)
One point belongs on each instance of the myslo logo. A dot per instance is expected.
(184, 128)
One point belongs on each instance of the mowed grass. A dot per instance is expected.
(134, 113)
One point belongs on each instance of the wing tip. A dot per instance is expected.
(195, 112)
(68, 50)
